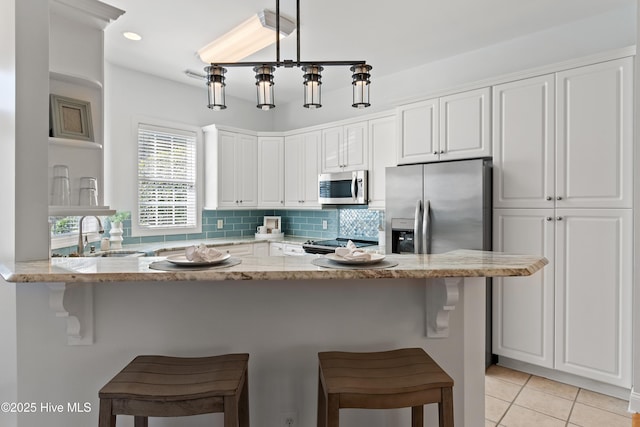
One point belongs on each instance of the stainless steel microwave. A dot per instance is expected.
(343, 188)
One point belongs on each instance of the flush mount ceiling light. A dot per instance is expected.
(238, 48)
(249, 37)
(132, 36)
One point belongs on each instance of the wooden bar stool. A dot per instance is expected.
(161, 386)
(382, 380)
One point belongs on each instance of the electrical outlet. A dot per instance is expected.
(324, 224)
(220, 223)
(290, 419)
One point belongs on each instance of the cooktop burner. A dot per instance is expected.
(329, 246)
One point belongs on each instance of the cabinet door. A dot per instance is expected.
(418, 132)
(523, 143)
(595, 135)
(310, 169)
(301, 170)
(247, 170)
(594, 293)
(465, 125)
(523, 307)
(271, 172)
(331, 149)
(227, 179)
(276, 249)
(355, 153)
(293, 150)
(382, 148)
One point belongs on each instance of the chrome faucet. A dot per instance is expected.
(80, 242)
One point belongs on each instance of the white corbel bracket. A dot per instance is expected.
(442, 295)
(75, 302)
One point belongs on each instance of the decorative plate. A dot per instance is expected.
(182, 260)
(341, 260)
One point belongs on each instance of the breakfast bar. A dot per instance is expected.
(280, 310)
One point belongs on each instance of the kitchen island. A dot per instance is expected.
(281, 310)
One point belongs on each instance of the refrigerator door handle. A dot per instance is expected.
(417, 219)
(426, 227)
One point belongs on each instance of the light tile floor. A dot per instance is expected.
(516, 399)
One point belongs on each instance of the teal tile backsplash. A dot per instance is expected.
(243, 223)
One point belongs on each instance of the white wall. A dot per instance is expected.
(130, 94)
(605, 32)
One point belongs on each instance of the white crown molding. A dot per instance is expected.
(100, 14)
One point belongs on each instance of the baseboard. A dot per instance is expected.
(634, 405)
(574, 380)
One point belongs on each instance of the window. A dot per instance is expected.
(167, 178)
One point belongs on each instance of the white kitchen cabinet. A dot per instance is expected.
(301, 168)
(271, 171)
(575, 315)
(593, 291)
(562, 156)
(465, 125)
(231, 169)
(524, 143)
(344, 148)
(565, 140)
(418, 132)
(261, 249)
(595, 135)
(276, 249)
(382, 154)
(452, 127)
(523, 307)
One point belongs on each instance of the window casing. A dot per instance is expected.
(168, 194)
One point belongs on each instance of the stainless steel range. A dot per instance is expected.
(329, 246)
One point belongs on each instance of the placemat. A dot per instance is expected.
(165, 265)
(327, 263)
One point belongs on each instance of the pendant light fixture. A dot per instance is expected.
(312, 94)
(264, 84)
(265, 75)
(215, 84)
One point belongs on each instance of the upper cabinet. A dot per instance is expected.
(271, 171)
(452, 127)
(565, 139)
(76, 64)
(382, 154)
(344, 148)
(231, 169)
(301, 170)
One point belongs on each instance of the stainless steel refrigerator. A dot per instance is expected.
(440, 207)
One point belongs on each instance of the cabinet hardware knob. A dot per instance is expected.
(559, 218)
(549, 218)
(435, 153)
(559, 198)
(441, 151)
(549, 198)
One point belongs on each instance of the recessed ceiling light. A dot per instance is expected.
(132, 36)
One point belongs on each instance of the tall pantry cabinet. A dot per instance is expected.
(562, 148)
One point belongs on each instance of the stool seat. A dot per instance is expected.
(382, 380)
(163, 386)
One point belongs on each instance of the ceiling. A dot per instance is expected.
(389, 35)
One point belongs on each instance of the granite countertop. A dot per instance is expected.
(459, 263)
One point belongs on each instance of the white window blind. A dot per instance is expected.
(166, 177)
